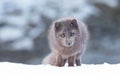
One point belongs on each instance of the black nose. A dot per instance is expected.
(69, 43)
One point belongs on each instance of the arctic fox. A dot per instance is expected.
(67, 40)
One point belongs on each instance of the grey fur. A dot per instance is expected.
(67, 48)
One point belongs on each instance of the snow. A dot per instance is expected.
(35, 32)
(25, 43)
(18, 21)
(78, 8)
(22, 70)
(9, 34)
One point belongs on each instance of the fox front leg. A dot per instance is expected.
(77, 60)
(60, 61)
(71, 61)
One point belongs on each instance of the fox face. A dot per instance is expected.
(66, 32)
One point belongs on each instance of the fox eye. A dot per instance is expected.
(72, 34)
(72, 24)
(62, 35)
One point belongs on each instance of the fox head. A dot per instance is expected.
(66, 32)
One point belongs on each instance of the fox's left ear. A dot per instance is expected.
(57, 26)
(74, 23)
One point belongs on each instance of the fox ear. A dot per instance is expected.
(57, 26)
(74, 23)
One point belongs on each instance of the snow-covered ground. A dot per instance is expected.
(22, 70)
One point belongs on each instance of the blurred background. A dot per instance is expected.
(24, 25)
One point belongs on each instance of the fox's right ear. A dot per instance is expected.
(57, 26)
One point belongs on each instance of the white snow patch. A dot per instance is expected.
(22, 70)
(2, 19)
(77, 8)
(10, 33)
(35, 32)
(18, 21)
(25, 43)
